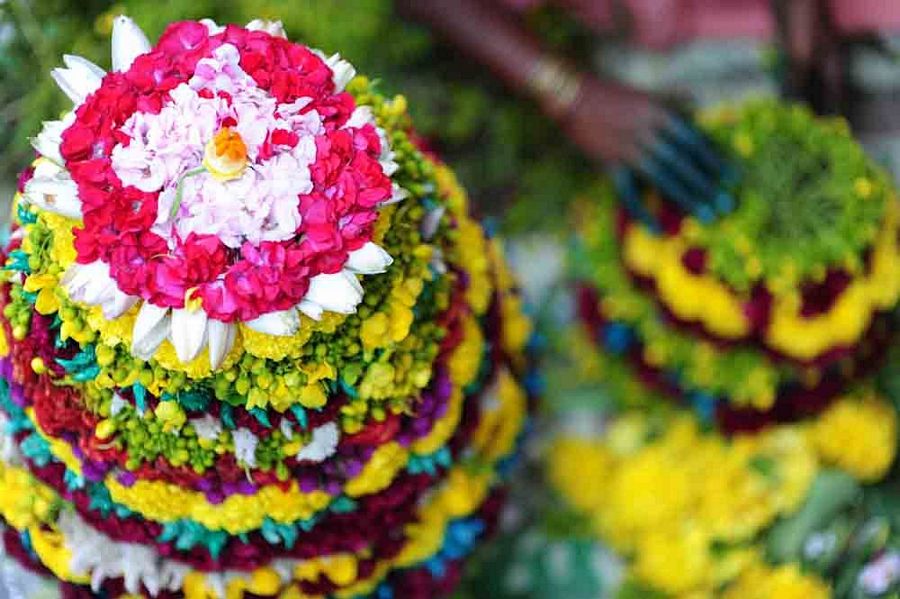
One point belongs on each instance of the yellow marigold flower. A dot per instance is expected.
(51, 548)
(650, 492)
(516, 326)
(627, 434)
(579, 469)
(783, 582)
(277, 347)
(379, 471)
(859, 436)
(675, 563)
(466, 359)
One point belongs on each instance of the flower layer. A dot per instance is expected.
(222, 176)
(805, 290)
(628, 320)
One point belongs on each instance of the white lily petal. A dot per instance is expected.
(311, 309)
(83, 65)
(151, 327)
(273, 28)
(58, 195)
(430, 223)
(49, 139)
(189, 332)
(339, 292)
(221, 339)
(128, 42)
(282, 323)
(342, 71)
(79, 79)
(118, 305)
(370, 259)
(100, 287)
(88, 283)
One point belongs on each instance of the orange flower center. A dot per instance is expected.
(226, 155)
(229, 145)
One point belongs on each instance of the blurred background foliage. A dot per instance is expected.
(512, 160)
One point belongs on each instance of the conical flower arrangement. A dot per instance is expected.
(253, 342)
(746, 426)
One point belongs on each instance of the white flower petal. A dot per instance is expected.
(79, 79)
(128, 42)
(49, 139)
(274, 28)
(221, 339)
(429, 225)
(311, 309)
(189, 332)
(118, 305)
(117, 404)
(370, 259)
(245, 443)
(151, 327)
(83, 65)
(286, 429)
(59, 196)
(361, 116)
(398, 194)
(212, 27)
(437, 262)
(89, 283)
(282, 323)
(339, 292)
(323, 444)
(342, 71)
(52, 189)
(208, 428)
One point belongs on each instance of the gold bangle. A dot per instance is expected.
(555, 84)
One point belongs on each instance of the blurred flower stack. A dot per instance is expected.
(253, 343)
(747, 446)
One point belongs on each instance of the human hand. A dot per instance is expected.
(648, 142)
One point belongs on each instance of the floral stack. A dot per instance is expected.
(740, 355)
(254, 344)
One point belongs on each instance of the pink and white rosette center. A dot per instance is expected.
(222, 177)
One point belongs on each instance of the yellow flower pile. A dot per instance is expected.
(689, 508)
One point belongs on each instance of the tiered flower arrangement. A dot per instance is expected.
(253, 342)
(739, 354)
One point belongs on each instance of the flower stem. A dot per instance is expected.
(179, 191)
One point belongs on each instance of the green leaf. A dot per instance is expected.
(832, 491)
